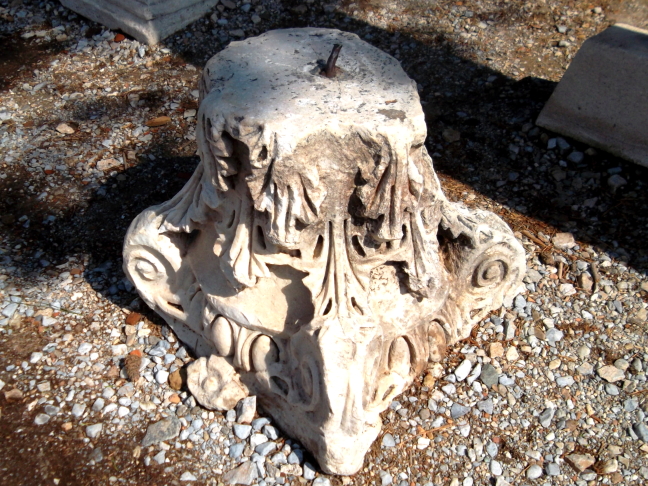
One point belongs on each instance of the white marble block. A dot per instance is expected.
(312, 260)
(148, 21)
(602, 99)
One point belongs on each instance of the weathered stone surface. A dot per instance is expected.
(580, 462)
(165, 429)
(215, 383)
(64, 128)
(489, 375)
(563, 241)
(246, 474)
(458, 410)
(149, 21)
(496, 350)
(610, 373)
(108, 164)
(245, 410)
(602, 99)
(312, 260)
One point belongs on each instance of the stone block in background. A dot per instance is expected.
(148, 21)
(602, 99)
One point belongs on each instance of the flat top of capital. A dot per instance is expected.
(281, 74)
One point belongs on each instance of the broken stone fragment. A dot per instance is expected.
(564, 241)
(165, 429)
(93, 431)
(312, 260)
(214, 383)
(496, 350)
(463, 370)
(429, 380)
(611, 373)
(615, 182)
(13, 395)
(641, 431)
(580, 462)
(108, 164)
(64, 128)
(246, 474)
(245, 410)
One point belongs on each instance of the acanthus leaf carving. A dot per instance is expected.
(237, 247)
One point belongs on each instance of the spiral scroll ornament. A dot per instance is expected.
(490, 273)
(146, 266)
(153, 276)
(494, 266)
(489, 269)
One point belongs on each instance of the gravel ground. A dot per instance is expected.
(95, 127)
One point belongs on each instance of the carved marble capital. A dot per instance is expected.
(313, 259)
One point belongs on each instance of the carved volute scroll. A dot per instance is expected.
(312, 259)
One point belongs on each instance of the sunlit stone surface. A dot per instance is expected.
(312, 260)
(149, 21)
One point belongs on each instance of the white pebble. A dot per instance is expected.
(84, 348)
(463, 370)
(534, 472)
(93, 431)
(162, 376)
(78, 409)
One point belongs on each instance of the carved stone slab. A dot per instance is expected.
(312, 260)
(149, 21)
(602, 99)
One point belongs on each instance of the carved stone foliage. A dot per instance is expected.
(312, 259)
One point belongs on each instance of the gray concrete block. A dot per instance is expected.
(148, 21)
(602, 99)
